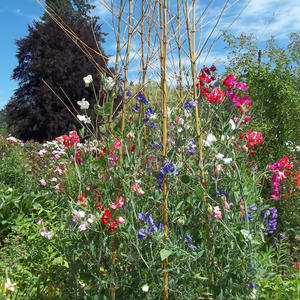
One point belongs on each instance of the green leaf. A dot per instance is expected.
(164, 254)
(98, 109)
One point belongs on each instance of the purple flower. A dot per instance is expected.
(145, 120)
(141, 98)
(155, 145)
(128, 93)
(189, 104)
(220, 193)
(136, 109)
(167, 168)
(152, 125)
(191, 147)
(252, 267)
(251, 285)
(160, 226)
(149, 111)
(253, 207)
(153, 228)
(192, 247)
(142, 233)
(273, 212)
(188, 238)
(282, 236)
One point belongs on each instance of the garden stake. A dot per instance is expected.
(163, 47)
(117, 55)
(192, 46)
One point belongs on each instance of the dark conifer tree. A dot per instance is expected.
(34, 112)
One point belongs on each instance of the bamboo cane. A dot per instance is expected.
(163, 46)
(117, 56)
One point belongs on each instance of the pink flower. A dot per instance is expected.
(135, 186)
(113, 206)
(53, 179)
(112, 158)
(120, 202)
(41, 222)
(117, 144)
(217, 212)
(241, 86)
(43, 182)
(120, 220)
(59, 187)
(83, 227)
(44, 232)
(226, 206)
(140, 192)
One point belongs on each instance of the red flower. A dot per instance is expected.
(81, 198)
(132, 148)
(215, 96)
(106, 216)
(229, 81)
(297, 265)
(112, 226)
(254, 138)
(213, 68)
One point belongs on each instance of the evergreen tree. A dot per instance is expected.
(47, 53)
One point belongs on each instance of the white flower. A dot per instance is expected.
(231, 122)
(91, 219)
(187, 113)
(110, 83)
(83, 104)
(209, 140)
(153, 116)
(219, 156)
(87, 80)
(168, 112)
(179, 129)
(83, 227)
(78, 215)
(9, 287)
(227, 161)
(145, 288)
(84, 119)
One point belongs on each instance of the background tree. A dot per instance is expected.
(48, 54)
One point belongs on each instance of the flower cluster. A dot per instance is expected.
(151, 227)
(137, 189)
(232, 85)
(191, 147)
(271, 219)
(69, 140)
(215, 212)
(279, 173)
(254, 138)
(206, 77)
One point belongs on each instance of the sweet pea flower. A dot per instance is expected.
(83, 227)
(145, 288)
(43, 182)
(120, 220)
(44, 232)
(78, 215)
(9, 287)
(87, 80)
(91, 218)
(83, 104)
(209, 140)
(41, 222)
(227, 161)
(84, 119)
(117, 144)
(233, 126)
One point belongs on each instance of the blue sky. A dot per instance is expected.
(264, 18)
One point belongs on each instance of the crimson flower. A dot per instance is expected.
(229, 81)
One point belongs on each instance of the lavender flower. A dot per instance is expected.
(189, 104)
